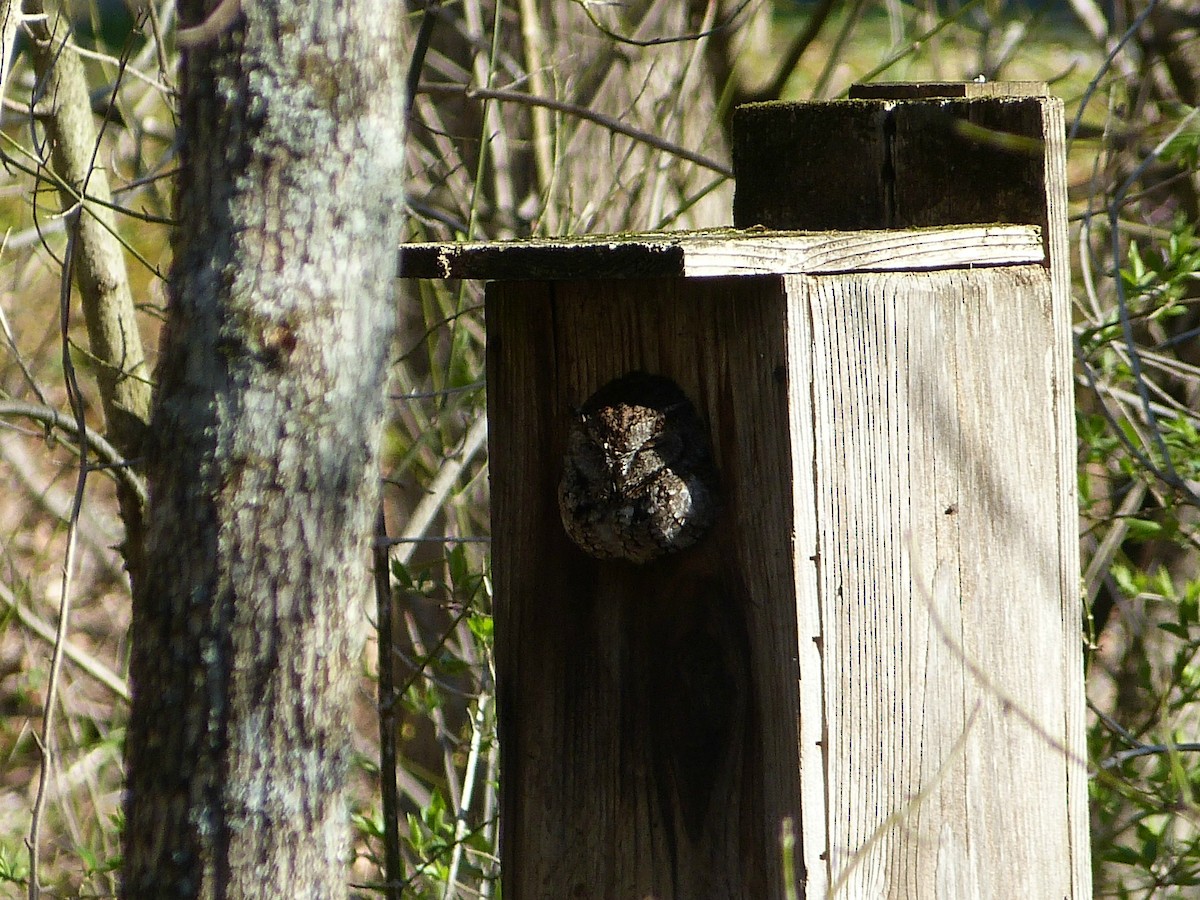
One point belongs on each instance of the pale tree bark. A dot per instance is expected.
(262, 461)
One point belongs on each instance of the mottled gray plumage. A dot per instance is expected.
(638, 477)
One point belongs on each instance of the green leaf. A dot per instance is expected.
(368, 822)
(1143, 529)
(1180, 631)
(483, 627)
(456, 563)
(401, 574)
(1182, 148)
(1125, 856)
(1125, 580)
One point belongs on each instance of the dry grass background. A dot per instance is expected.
(440, 640)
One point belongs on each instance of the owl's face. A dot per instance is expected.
(637, 480)
(632, 444)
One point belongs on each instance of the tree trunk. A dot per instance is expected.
(262, 464)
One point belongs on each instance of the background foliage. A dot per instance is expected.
(560, 121)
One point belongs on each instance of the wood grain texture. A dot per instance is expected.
(725, 252)
(876, 639)
(960, 161)
(895, 164)
(880, 638)
(927, 162)
(1054, 175)
(945, 623)
(647, 713)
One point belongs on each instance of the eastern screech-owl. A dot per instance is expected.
(638, 476)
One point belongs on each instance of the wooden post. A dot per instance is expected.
(876, 646)
(945, 479)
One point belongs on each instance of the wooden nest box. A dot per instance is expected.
(784, 522)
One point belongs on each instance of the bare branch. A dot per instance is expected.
(80, 657)
(724, 24)
(614, 125)
(100, 273)
(218, 22)
(115, 462)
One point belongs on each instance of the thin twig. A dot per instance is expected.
(78, 197)
(1144, 462)
(219, 21)
(493, 139)
(437, 715)
(10, 24)
(429, 18)
(72, 145)
(435, 495)
(1098, 567)
(45, 631)
(491, 800)
(441, 851)
(156, 32)
(16, 352)
(816, 21)
(664, 178)
(836, 55)
(1133, 355)
(918, 41)
(723, 25)
(1147, 750)
(614, 125)
(393, 866)
(112, 60)
(533, 43)
(116, 464)
(98, 533)
(46, 745)
(444, 392)
(1129, 34)
(478, 726)
(420, 660)
(434, 539)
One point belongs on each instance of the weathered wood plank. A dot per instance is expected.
(1062, 362)
(725, 252)
(648, 714)
(879, 640)
(945, 623)
(885, 531)
(956, 160)
(916, 163)
(912, 164)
